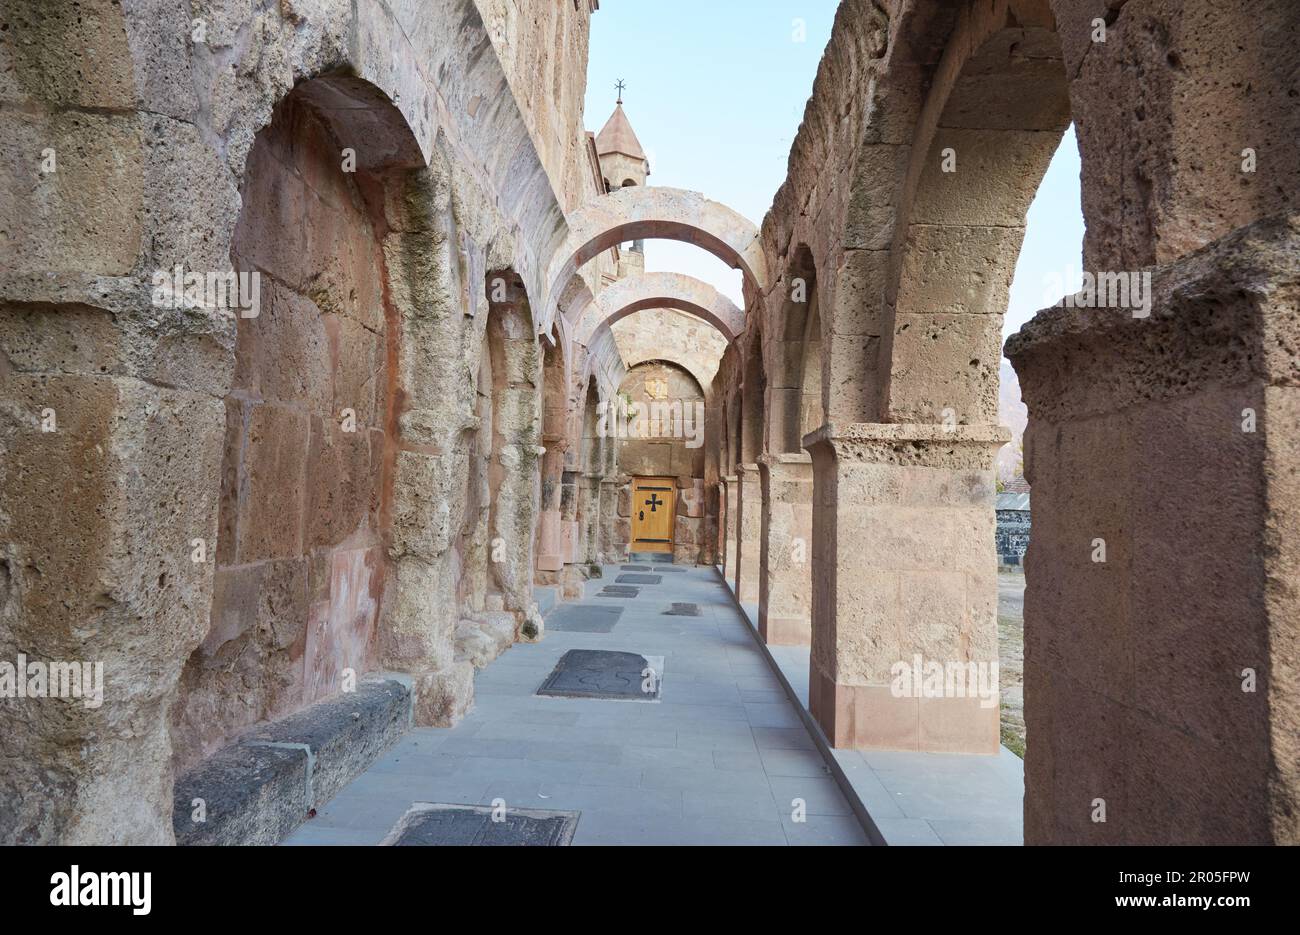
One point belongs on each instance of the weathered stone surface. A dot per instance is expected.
(442, 698)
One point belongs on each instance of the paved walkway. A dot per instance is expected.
(720, 759)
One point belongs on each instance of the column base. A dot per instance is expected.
(905, 587)
(873, 717)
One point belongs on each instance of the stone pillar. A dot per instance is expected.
(904, 579)
(1161, 637)
(550, 521)
(749, 529)
(785, 559)
(730, 495)
(611, 548)
(589, 512)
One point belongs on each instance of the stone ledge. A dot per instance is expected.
(961, 447)
(784, 457)
(260, 788)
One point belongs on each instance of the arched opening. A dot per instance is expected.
(920, 576)
(785, 469)
(796, 355)
(659, 431)
(639, 212)
(651, 291)
(1000, 123)
(301, 564)
(998, 129)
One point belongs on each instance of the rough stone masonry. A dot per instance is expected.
(383, 476)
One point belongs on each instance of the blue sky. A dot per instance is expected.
(716, 91)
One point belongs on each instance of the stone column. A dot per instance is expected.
(1161, 637)
(904, 579)
(589, 510)
(785, 559)
(730, 495)
(749, 530)
(611, 548)
(550, 521)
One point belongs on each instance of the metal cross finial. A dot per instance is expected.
(621, 87)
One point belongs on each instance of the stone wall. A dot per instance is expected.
(542, 46)
(221, 543)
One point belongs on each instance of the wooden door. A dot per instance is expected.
(654, 504)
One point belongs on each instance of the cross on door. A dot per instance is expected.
(654, 503)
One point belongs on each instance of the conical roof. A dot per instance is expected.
(617, 136)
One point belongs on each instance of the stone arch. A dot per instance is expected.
(641, 212)
(666, 440)
(995, 117)
(692, 367)
(926, 276)
(660, 290)
(310, 433)
(1004, 109)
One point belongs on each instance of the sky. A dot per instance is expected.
(716, 91)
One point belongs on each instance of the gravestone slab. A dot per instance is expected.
(683, 610)
(638, 579)
(635, 567)
(430, 825)
(583, 618)
(614, 590)
(603, 673)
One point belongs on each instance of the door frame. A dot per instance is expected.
(653, 483)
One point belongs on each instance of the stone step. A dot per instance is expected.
(641, 558)
(261, 787)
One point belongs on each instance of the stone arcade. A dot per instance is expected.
(396, 467)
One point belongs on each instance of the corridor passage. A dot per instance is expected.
(721, 758)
